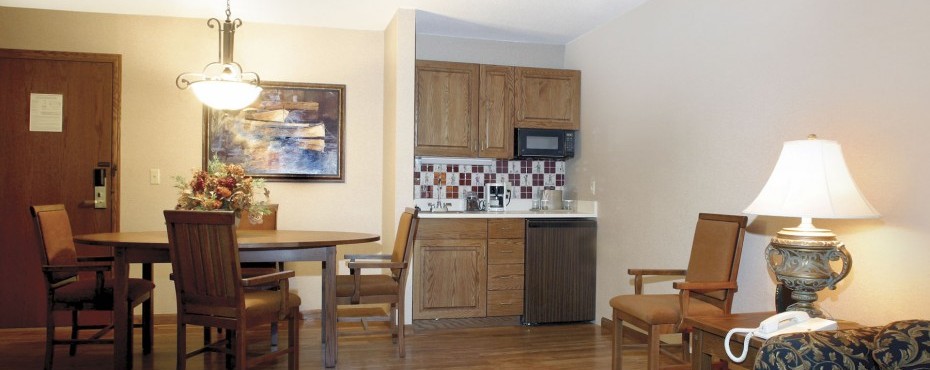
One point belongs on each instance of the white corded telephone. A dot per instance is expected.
(782, 323)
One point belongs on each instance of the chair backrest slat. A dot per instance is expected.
(205, 258)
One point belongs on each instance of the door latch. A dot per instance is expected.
(100, 188)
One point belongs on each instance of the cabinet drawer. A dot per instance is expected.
(505, 277)
(505, 228)
(452, 229)
(502, 251)
(505, 303)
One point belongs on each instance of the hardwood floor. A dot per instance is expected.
(574, 346)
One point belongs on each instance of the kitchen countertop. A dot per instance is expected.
(586, 209)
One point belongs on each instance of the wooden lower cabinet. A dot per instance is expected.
(467, 268)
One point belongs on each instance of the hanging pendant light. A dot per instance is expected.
(223, 84)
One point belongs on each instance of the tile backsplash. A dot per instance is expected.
(451, 181)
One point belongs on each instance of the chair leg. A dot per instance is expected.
(148, 327)
(182, 346)
(129, 336)
(207, 335)
(401, 351)
(293, 340)
(617, 349)
(392, 316)
(241, 360)
(49, 337)
(274, 335)
(72, 350)
(686, 347)
(230, 349)
(652, 363)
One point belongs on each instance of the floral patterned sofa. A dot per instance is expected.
(901, 345)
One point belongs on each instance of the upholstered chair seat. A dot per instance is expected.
(661, 308)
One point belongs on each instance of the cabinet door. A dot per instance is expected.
(548, 98)
(495, 115)
(450, 278)
(446, 109)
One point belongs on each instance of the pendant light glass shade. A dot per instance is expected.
(223, 84)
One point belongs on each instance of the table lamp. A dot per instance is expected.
(810, 180)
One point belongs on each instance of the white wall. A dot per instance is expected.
(162, 126)
(400, 68)
(454, 49)
(686, 106)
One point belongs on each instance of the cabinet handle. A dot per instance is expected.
(506, 251)
(505, 303)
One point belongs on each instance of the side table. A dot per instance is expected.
(707, 337)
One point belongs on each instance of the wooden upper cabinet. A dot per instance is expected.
(495, 115)
(446, 109)
(547, 98)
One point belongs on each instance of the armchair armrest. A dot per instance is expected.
(281, 277)
(95, 259)
(98, 267)
(92, 266)
(638, 276)
(267, 279)
(382, 265)
(685, 295)
(704, 285)
(353, 257)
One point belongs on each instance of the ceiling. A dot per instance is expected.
(534, 21)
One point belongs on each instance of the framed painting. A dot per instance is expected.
(292, 132)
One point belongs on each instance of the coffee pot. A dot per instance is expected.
(472, 203)
(497, 196)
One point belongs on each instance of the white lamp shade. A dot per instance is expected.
(811, 180)
(227, 95)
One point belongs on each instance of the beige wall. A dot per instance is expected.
(162, 126)
(686, 106)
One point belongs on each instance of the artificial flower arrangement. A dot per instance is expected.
(223, 187)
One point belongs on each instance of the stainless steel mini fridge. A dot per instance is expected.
(560, 270)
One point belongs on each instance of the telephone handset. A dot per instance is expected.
(782, 323)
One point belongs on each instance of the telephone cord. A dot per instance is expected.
(726, 341)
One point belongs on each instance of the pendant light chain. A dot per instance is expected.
(228, 12)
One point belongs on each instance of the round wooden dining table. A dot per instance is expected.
(147, 247)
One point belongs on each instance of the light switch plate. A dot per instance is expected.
(154, 176)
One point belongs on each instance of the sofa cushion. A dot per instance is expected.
(821, 350)
(903, 345)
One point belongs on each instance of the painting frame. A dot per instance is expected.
(293, 132)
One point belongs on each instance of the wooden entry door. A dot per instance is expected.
(52, 166)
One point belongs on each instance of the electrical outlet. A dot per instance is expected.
(593, 187)
(154, 176)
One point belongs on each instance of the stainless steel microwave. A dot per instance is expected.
(544, 143)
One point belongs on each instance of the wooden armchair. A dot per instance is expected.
(68, 292)
(212, 293)
(386, 288)
(253, 269)
(708, 288)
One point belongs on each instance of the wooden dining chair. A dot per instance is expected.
(253, 269)
(212, 293)
(387, 288)
(67, 291)
(707, 290)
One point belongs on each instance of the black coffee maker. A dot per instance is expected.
(497, 196)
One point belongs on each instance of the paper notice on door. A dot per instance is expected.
(45, 112)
